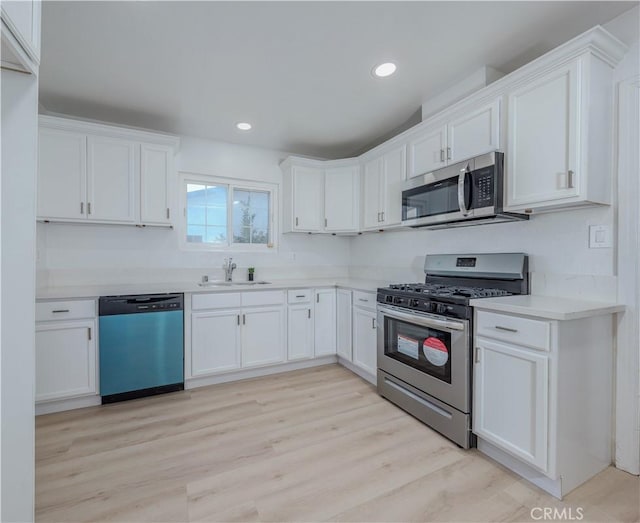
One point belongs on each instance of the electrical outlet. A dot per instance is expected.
(599, 237)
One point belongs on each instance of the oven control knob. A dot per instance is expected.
(397, 300)
(441, 308)
(388, 299)
(414, 302)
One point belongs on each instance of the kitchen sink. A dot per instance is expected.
(222, 283)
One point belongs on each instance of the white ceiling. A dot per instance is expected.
(300, 72)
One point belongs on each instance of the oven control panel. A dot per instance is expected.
(440, 306)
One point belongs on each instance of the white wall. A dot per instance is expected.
(19, 138)
(81, 254)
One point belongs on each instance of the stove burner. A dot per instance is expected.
(439, 290)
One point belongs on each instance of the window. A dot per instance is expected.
(219, 214)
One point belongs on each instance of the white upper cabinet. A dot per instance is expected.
(21, 35)
(155, 184)
(62, 175)
(111, 179)
(307, 209)
(383, 178)
(427, 151)
(341, 186)
(559, 139)
(472, 131)
(101, 174)
(321, 196)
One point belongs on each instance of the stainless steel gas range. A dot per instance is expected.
(425, 335)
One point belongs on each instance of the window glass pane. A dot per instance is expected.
(251, 216)
(206, 213)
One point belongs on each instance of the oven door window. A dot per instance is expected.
(430, 200)
(423, 348)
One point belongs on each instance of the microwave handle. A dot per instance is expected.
(464, 194)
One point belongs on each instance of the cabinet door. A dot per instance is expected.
(427, 151)
(365, 340)
(511, 400)
(308, 188)
(473, 133)
(392, 184)
(65, 359)
(155, 177)
(542, 148)
(111, 180)
(263, 336)
(325, 322)
(300, 332)
(371, 183)
(62, 175)
(215, 341)
(343, 320)
(341, 199)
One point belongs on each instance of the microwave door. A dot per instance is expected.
(436, 201)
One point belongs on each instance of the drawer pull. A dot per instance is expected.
(363, 299)
(506, 329)
(60, 310)
(300, 295)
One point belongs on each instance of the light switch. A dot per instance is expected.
(599, 237)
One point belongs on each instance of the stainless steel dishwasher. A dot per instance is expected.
(141, 345)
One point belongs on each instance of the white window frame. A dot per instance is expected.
(232, 184)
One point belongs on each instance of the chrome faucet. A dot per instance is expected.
(228, 268)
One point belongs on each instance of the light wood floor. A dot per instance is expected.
(309, 445)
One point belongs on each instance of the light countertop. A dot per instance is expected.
(94, 291)
(547, 307)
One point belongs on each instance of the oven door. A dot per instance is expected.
(429, 352)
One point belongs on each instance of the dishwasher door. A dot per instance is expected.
(141, 346)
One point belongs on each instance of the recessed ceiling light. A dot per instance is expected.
(383, 70)
(243, 126)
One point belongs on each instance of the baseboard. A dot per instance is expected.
(50, 407)
(553, 487)
(244, 374)
(371, 378)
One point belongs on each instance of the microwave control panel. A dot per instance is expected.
(483, 187)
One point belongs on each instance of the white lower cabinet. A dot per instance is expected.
(343, 324)
(325, 322)
(300, 332)
(65, 359)
(542, 395)
(263, 336)
(365, 339)
(215, 341)
(517, 420)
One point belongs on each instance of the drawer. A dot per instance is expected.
(251, 299)
(515, 329)
(366, 300)
(218, 300)
(299, 296)
(65, 310)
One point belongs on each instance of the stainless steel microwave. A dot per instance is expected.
(466, 193)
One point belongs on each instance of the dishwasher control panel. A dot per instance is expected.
(112, 305)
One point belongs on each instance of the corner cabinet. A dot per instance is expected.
(321, 196)
(93, 173)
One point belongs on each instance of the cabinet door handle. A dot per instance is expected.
(506, 329)
(238, 319)
(60, 310)
(244, 320)
(477, 355)
(168, 213)
(89, 208)
(309, 313)
(317, 298)
(570, 184)
(296, 221)
(448, 153)
(373, 323)
(442, 155)
(81, 207)
(325, 222)
(382, 214)
(89, 333)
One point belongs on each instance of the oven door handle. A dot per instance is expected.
(422, 320)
